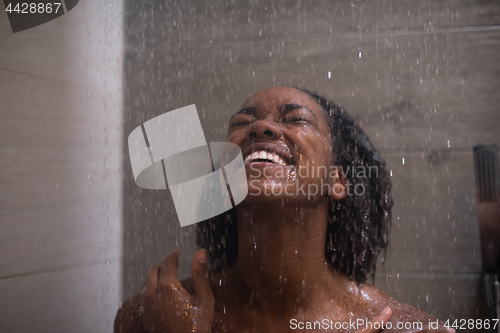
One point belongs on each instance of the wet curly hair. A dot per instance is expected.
(358, 225)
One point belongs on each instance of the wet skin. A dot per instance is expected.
(281, 273)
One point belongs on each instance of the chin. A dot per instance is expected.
(268, 190)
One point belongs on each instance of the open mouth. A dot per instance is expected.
(264, 156)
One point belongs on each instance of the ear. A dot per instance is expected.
(338, 190)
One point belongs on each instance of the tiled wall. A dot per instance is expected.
(60, 171)
(421, 77)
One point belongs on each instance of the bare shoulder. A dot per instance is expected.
(405, 318)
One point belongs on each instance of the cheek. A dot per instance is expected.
(236, 136)
(314, 165)
(231, 137)
(323, 150)
(316, 152)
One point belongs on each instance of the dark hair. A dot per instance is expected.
(358, 225)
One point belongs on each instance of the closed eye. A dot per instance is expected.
(296, 120)
(297, 114)
(240, 120)
(239, 123)
(299, 119)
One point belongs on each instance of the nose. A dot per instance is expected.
(264, 128)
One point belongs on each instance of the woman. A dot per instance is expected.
(295, 254)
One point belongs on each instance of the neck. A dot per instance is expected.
(281, 257)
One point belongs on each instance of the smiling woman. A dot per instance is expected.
(296, 253)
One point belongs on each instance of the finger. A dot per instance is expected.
(168, 271)
(199, 271)
(152, 279)
(150, 290)
(377, 324)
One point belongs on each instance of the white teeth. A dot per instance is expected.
(264, 156)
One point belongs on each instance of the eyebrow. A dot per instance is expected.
(290, 107)
(248, 110)
(285, 107)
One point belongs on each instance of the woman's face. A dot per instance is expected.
(285, 140)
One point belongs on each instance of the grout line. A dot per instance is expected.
(63, 268)
(33, 76)
(63, 83)
(312, 37)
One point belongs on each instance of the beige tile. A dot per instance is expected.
(60, 174)
(60, 171)
(83, 48)
(83, 299)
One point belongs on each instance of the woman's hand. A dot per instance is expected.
(168, 307)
